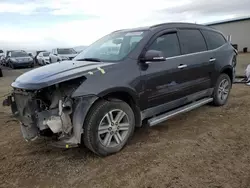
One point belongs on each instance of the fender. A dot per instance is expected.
(82, 106)
(128, 90)
(226, 67)
(230, 70)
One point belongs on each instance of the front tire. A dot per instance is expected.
(222, 90)
(108, 127)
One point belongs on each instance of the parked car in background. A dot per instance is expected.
(37, 52)
(19, 58)
(61, 54)
(43, 58)
(31, 54)
(1, 53)
(2, 60)
(128, 77)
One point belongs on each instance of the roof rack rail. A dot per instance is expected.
(118, 30)
(158, 25)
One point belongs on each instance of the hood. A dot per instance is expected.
(55, 73)
(67, 55)
(21, 58)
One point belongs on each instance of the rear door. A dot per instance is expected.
(198, 61)
(222, 52)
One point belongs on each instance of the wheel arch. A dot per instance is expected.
(127, 95)
(229, 71)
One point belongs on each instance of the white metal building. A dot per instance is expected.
(237, 29)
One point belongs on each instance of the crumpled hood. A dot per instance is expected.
(55, 73)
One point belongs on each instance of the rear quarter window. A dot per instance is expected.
(191, 41)
(214, 40)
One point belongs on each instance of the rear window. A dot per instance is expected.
(45, 54)
(191, 41)
(66, 51)
(19, 54)
(214, 40)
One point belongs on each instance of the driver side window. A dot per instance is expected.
(168, 44)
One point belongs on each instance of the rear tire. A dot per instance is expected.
(222, 90)
(104, 136)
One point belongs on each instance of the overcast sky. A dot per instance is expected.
(38, 24)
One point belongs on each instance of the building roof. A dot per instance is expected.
(228, 21)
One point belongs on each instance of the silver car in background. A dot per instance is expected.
(61, 54)
(43, 58)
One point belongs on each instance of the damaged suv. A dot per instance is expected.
(146, 74)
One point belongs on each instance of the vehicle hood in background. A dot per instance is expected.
(22, 58)
(55, 73)
(67, 55)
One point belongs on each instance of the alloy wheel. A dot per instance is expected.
(223, 90)
(113, 128)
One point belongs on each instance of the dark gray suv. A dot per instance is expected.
(145, 74)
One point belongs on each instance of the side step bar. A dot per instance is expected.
(161, 118)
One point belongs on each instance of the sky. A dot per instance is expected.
(46, 24)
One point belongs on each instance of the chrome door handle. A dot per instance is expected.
(212, 60)
(182, 66)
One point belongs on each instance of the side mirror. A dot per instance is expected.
(153, 55)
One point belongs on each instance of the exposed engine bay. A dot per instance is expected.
(46, 112)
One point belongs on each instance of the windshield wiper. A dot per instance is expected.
(89, 59)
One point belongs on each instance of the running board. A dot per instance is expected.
(161, 118)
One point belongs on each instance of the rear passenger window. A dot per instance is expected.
(168, 44)
(213, 39)
(191, 41)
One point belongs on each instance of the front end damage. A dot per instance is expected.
(51, 112)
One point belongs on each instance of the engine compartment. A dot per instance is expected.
(46, 112)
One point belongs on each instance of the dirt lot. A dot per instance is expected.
(208, 147)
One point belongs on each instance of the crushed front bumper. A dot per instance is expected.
(33, 123)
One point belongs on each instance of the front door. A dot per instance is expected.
(162, 80)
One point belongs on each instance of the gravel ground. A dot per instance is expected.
(208, 147)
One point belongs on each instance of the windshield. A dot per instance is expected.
(19, 54)
(113, 47)
(66, 51)
(46, 54)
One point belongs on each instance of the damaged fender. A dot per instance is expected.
(82, 107)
